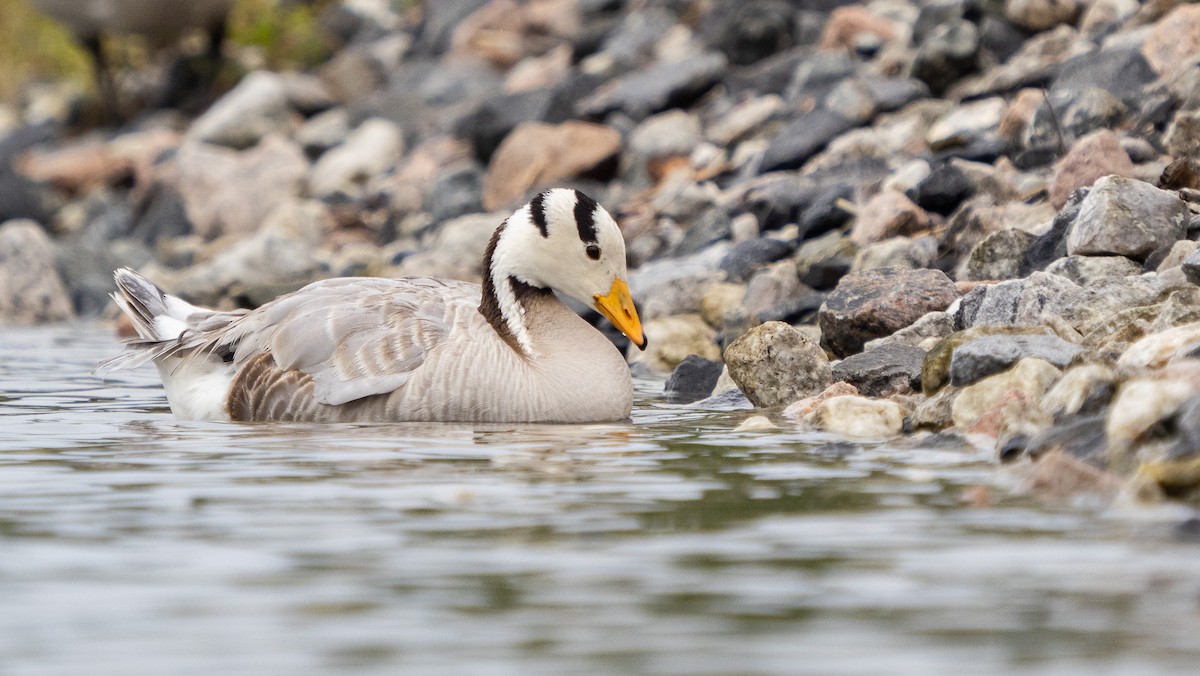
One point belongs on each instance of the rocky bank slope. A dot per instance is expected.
(968, 217)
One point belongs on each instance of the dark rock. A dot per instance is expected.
(982, 357)
(693, 379)
(706, 229)
(487, 126)
(803, 138)
(565, 95)
(662, 86)
(936, 373)
(1122, 71)
(816, 76)
(1052, 245)
(161, 215)
(826, 211)
(826, 273)
(884, 371)
(744, 257)
(985, 150)
(1081, 436)
(946, 55)
(778, 199)
(631, 42)
(456, 193)
(877, 303)
(22, 198)
(24, 138)
(943, 190)
(438, 22)
(749, 31)
(1000, 38)
(775, 364)
(769, 76)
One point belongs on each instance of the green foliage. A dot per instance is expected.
(33, 47)
(286, 33)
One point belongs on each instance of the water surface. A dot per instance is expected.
(132, 543)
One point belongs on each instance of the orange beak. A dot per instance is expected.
(618, 307)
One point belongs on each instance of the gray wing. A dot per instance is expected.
(355, 337)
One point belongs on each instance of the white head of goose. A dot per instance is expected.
(414, 348)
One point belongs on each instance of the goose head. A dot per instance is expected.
(563, 240)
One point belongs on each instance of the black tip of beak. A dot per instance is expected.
(644, 343)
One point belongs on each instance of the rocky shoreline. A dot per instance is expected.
(971, 218)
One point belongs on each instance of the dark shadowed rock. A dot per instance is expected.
(487, 126)
(803, 138)
(693, 379)
(948, 53)
(1191, 267)
(662, 86)
(883, 371)
(775, 364)
(877, 303)
(982, 357)
(21, 197)
(943, 190)
(1122, 71)
(749, 32)
(1052, 245)
(746, 256)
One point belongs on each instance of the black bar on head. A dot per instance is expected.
(537, 213)
(585, 216)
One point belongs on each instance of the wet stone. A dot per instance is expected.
(977, 359)
(883, 371)
(693, 379)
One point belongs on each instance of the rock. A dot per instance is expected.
(1025, 302)
(967, 123)
(744, 118)
(1040, 15)
(1083, 390)
(1086, 270)
(803, 138)
(455, 193)
(21, 198)
(368, 151)
(496, 117)
(923, 333)
(1176, 478)
(847, 25)
(943, 190)
(672, 339)
(887, 370)
(1191, 267)
(453, 250)
(775, 364)
(537, 154)
(256, 107)
(1081, 436)
(693, 379)
(802, 407)
(1052, 244)
(656, 142)
(876, 303)
(1119, 70)
(747, 256)
(1143, 402)
(998, 256)
(936, 372)
(1157, 349)
(1060, 477)
(977, 359)
(1183, 135)
(675, 286)
(77, 168)
(31, 292)
(750, 33)
(948, 53)
(718, 300)
(1177, 255)
(936, 411)
(661, 86)
(1030, 378)
(1092, 157)
(1072, 114)
(897, 252)
(853, 416)
(756, 423)
(324, 131)
(1127, 217)
(888, 214)
(822, 261)
(1174, 40)
(228, 192)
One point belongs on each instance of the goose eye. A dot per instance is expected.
(593, 252)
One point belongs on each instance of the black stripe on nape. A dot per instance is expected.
(585, 216)
(537, 213)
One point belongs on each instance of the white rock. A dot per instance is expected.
(257, 106)
(372, 148)
(855, 416)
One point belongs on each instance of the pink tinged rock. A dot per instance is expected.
(1174, 40)
(886, 215)
(536, 154)
(1094, 156)
(1030, 377)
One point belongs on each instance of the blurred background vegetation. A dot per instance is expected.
(283, 33)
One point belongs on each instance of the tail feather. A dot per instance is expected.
(141, 300)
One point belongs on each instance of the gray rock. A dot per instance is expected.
(948, 53)
(1191, 267)
(775, 364)
(998, 256)
(943, 190)
(745, 257)
(1127, 217)
(989, 305)
(257, 106)
(1085, 270)
(1122, 71)
(673, 133)
(368, 151)
(324, 131)
(982, 357)
(897, 252)
(877, 303)
(496, 116)
(932, 327)
(31, 291)
(657, 88)
(803, 138)
(1076, 113)
(884, 371)
(456, 193)
(693, 379)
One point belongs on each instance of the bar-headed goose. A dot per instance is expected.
(416, 348)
